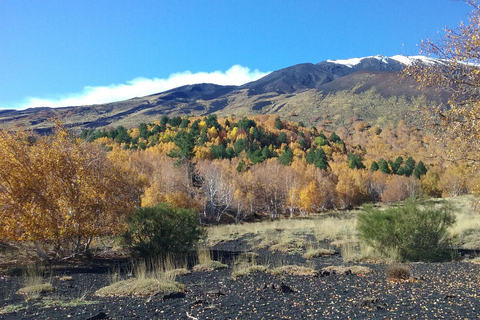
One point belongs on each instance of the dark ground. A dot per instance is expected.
(442, 291)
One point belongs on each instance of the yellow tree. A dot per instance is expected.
(308, 197)
(61, 193)
(457, 71)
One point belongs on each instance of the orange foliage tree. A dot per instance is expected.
(61, 193)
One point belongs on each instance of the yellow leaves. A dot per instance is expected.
(58, 188)
(241, 136)
(212, 133)
(232, 134)
(216, 141)
(308, 196)
(202, 152)
(134, 133)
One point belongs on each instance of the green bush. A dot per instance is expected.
(162, 230)
(416, 233)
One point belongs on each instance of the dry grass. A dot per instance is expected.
(177, 272)
(34, 291)
(467, 229)
(139, 287)
(294, 270)
(354, 251)
(335, 229)
(210, 266)
(33, 282)
(13, 308)
(269, 233)
(65, 278)
(475, 260)
(321, 252)
(150, 278)
(243, 271)
(289, 243)
(247, 258)
(246, 264)
(52, 303)
(357, 270)
(398, 272)
(206, 263)
(312, 251)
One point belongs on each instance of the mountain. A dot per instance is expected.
(332, 92)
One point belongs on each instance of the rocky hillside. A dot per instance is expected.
(333, 92)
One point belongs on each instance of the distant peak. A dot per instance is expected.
(406, 60)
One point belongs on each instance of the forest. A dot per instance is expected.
(66, 190)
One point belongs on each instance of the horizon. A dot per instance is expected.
(57, 55)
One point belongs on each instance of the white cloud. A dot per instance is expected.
(139, 87)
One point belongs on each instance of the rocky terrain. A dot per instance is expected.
(434, 290)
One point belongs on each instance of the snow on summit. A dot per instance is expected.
(399, 58)
(348, 62)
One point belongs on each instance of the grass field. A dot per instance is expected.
(320, 234)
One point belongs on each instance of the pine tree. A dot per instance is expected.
(383, 166)
(335, 138)
(321, 159)
(396, 165)
(286, 157)
(282, 138)
(230, 153)
(355, 161)
(419, 170)
(374, 166)
(409, 167)
(185, 123)
(239, 146)
(310, 157)
(278, 124)
(143, 130)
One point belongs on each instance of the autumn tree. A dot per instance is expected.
(60, 193)
(218, 190)
(459, 73)
(400, 188)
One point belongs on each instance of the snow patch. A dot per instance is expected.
(412, 59)
(347, 62)
(355, 61)
(398, 58)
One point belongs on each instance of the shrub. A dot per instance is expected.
(161, 230)
(398, 271)
(416, 233)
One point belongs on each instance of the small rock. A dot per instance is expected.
(215, 292)
(99, 316)
(286, 289)
(174, 295)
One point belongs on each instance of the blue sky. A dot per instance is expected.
(59, 53)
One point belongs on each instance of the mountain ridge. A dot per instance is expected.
(288, 92)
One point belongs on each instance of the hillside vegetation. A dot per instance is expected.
(240, 168)
(225, 169)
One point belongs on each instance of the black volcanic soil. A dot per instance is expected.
(441, 290)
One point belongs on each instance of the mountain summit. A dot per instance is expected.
(330, 92)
